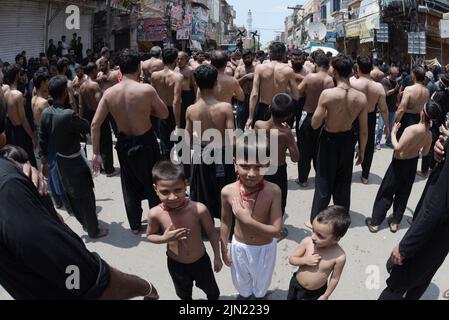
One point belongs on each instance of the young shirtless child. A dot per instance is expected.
(256, 206)
(177, 221)
(281, 110)
(319, 256)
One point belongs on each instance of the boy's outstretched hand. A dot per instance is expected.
(172, 234)
(312, 260)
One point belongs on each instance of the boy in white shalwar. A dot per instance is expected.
(256, 206)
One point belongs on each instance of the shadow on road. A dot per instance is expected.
(118, 236)
(292, 185)
(432, 292)
(373, 178)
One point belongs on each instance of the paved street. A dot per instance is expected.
(366, 252)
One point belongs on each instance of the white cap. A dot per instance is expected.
(429, 75)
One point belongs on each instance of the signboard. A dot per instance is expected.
(331, 36)
(417, 43)
(382, 34)
(183, 33)
(200, 18)
(155, 29)
(444, 29)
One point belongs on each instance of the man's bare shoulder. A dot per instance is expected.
(339, 253)
(155, 213)
(197, 207)
(359, 97)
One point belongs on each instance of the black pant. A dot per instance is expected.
(137, 157)
(308, 146)
(408, 119)
(166, 127)
(187, 98)
(397, 184)
(428, 162)
(200, 271)
(77, 181)
(105, 141)
(433, 178)
(261, 113)
(412, 279)
(16, 135)
(280, 179)
(369, 150)
(297, 292)
(334, 171)
(242, 112)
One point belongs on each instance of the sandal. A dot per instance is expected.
(363, 180)
(302, 184)
(371, 228)
(394, 227)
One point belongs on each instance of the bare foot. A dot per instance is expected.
(372, 228)
(364, 181)
(422, 174)
(302, 184)
(308, 224)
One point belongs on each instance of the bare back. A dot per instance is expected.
(226, 88)
(164, 82)
(282, 138)
(111, 79)
(14, 101)
(247, 85)
(372, 90)
(131, 104)
(377, 75)
(149, 66)
(343, 107)
(415, 97)
(413, 139)
(212, 114)
(38, 105)
(187, 78)
(312, 87)
(90, 94)
(273, 78)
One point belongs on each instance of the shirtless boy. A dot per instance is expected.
(320, 256)
(180, 220)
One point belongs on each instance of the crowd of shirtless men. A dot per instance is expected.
(332, 104)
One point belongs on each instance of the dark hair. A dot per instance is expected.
(90, 67)
(342, 64)
(250, 146)
(166, 170)
(277, 51)
(169, 55)
(247, 52)
(281, 106)
(57, 86)
(419, 73)
(40, 76)
(433, 110)
(62, 63)
(365, 63)
(219, 59)
(296, 52)
(205, 76)
(338, 216)
(104, 50)
(14, 153)
(378, 62)
(10, 74)
(129, 61)
(18, 57)
(322, 61)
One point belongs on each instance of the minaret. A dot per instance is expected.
(250, 22)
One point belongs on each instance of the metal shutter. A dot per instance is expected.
(22, 27)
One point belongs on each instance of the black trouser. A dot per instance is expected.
(334, 171)
(395, 188)
(183, 276)
(412, 279)
(369, 150)
(16, 135)
(137, 156)
(308, 146)
(105, 141)
(408, 119)
(298, 292)
(280, 178)
(242, 113)
(187, 98)
(433, 178)
(77, 181)
(166, 127)
(428, 162)
(261, 113)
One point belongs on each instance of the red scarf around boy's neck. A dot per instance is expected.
(246, 195)
(182, 206)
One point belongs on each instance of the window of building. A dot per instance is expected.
(336, 5)
(323, 12)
